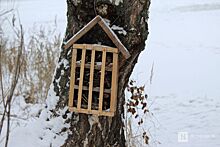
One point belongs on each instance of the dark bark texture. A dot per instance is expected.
(132, 15)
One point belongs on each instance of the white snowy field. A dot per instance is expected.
(184, 49)
(184, 45)
(33, 14)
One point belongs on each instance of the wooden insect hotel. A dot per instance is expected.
(94, 72)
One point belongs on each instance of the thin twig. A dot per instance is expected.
(1, 74)
(14, 83)
(15, 116)
(4, 13)
(152, 73)
(94, 6)
(2, 92)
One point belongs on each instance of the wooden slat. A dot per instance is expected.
(106, 28)
(72, 77)
(114, 89)
(82, 32)
(102, 79)
(108, 48)
(81, 78)
(97, 47)
(96, 89)
(114, 39)
(91, 79)
(98, 67)
(95, 112)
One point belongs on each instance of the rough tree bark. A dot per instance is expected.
(132, 15)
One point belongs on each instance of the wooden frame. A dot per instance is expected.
(83, 48)
(99, 20)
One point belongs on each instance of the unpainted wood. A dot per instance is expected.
(114, 39)
(95, 112)
(102, 80)
(96, 47)
(82, 32)
(100, 89)
(107, 30)
(81, 78)
(98, 67)
(113, 102)
(96, 89)
(91, 79)
(72, 77)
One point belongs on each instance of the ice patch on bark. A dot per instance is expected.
(86, 142)
(69, 52)
(52, 99)
(58, 81)
(76, 2)
(120, 30)
(93, 119)
(107, 21)
(65, 63)
(116, 2)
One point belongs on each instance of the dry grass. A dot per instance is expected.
(39, 59)
(39, 64)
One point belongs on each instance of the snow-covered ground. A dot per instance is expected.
(49, 14)
(184, 49)
(184, 46)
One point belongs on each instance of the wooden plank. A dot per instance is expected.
(102, 80)
(94, 112)
(72, 77)
(96, 89)
(81, 78)
(107, 48)
(114, 39)
(114, 89)
(91, 79)
(116, 71)
(97, 47)
(98, 67)
(82, 32)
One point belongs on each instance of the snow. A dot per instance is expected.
(41, 131)
(117, 2)
(98, 63)
(64, 62)
(133, 128)
(184, 95)
(34, 13)
(52, 99)
(119, 29)
(93, 119)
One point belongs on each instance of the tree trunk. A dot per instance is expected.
(131, 15)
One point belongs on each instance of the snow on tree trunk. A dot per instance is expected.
(128, 19)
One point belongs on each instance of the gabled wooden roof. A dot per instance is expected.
(98, 19)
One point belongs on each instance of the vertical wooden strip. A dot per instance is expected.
(83, 31)
(91, 79)
(72, 77)
(81, 78)
(102, 80)
(114, 87)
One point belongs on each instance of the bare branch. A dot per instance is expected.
(1, 74)
(6, 12)
(14, 83)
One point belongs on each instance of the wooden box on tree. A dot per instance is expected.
(94, 72)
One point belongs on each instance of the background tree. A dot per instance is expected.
(132, 16)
